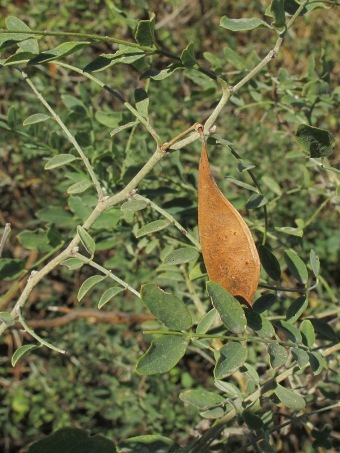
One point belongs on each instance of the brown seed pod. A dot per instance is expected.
(228, 248)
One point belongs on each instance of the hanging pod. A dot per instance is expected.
(228, 248)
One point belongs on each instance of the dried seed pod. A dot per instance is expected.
(228, 248)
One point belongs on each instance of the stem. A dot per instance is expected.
(68, 134)
(281, 288)
(107, 273)
(317, 212)
(5, 235)
(172, 220)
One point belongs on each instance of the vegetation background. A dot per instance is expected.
(95, 386)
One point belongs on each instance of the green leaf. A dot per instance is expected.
(212, 414)
(252, 420)
(36, 118)
(56, 215)
(88, 284)
(278, 12)
(142, 102)
(152, 443)
(289, 398)
(256, 201)
(17, 58)
(296, 266)
(272, 184)
(242, 24)
(269, 262)
(296, 308)
(21, 352)
(264, 302)
(315, 263)
(15, 24)
(10, 268)
(290, 230)
(308, 333)
(188, 56)
(58, 161)
(72, 440)
(182, 255)
(259, 324)
(64, 49)
(133, 205)
(145, 32)
(198, 271)
(241, 184)
(324, 329)
(300, 356)
(314, 141)
(35, 240)
(125, 55)
(229, 308)
(229, 389)
(157, 74)
(152, 227)
(166, 307)
(108, 295)
(7, 318)
(206, 322)
(86, 240)
(291, 332)
(202, 399)
(163, 354)
(232, 357)
(73, 263)
(317, 362)
(79, 187)
(277, 355)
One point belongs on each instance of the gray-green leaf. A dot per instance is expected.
(58, 161)
(182, 255)
(88, 284)
(289, 398)
(232, 356)
(242, 24)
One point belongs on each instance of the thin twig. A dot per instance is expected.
(5, 235)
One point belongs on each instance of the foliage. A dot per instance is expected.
(99, 184)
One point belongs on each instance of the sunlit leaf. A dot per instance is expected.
(289, 398)
(242, 24)
(88, 284)
(21, 352)
(182, 255)
(152, 227)
(64, 49)
(36, 118)
(109, 294)
(232, 357)
(277, 355)
(200, 398)
(86, 240)
(58, 161)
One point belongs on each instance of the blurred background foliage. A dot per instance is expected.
(95, 387)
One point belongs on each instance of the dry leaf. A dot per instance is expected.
(228, 248)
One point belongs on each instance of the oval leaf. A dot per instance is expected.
(21, 352)
(300, 356)
(88, 284)
(79, 187)
(264, 302)
(242, 24)
(163, 354)
(201, 398)
(259, 324)
(232, 357)
(58, 161)
(314, 141)
(289, 398)
(289, 330)
(188, 56)
(182, 255)
(277, 355)
(64, 49)
(86, 240)
(296, 266)
(278, 12)
(133, 205)
(152, 227)
(229, 308)
(315, 263)
(269, 262)
(108, 295)
(256, 201)
(207, 322)
(296, 308)
(228, 249)
(317, 362)
(308, 333)
(145, 33)
(142, 101)
(167, 308)
(36, 118)
(73, 263)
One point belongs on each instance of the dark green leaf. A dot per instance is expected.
(289, 398)
(296, 308)
(56, 215)
(125, 55)
(156, 74)
(108, 295)
(259, 324)
(256, 201)
(64, 49)
(88, 284)
(201, 398)
(314, 141)
(72, 440)
(21, 352)
(142, 102)
(232, 357)
(264, 302)
(166, 307)
(324, 329)
(278, 12)
(269, 262)
(296, 266)
(300, 356)
(188, 56)
(163, 354)
(151, 443)
(229, 308)
(277, 355)
(86, 240)
(10, 268)
(207, 322)
(242, 24)
(145, 33)
(36, 118)
(317, 362)
(58, 161)
(289, 330)
(252, 420)
(152, 227)
(182, 255)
